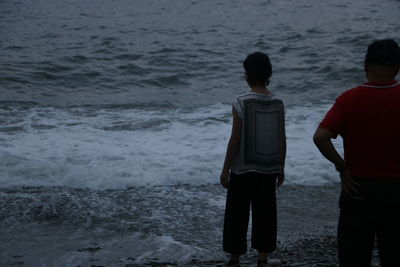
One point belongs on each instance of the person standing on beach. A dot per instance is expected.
(368, 119)
(254, 165)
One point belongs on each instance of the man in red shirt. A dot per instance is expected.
(367, 117)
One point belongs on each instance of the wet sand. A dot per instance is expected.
(188, 219)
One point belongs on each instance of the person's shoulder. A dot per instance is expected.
(239, 98)
(237, 102)
(350, 93)
(243, 95)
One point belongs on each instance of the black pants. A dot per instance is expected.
(375, 215)
(258, 191)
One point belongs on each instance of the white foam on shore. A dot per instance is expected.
(82, 248)
(118, 148)
(304, 163)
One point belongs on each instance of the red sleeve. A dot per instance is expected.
(335, 119)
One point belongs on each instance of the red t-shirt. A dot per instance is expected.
(368, 119)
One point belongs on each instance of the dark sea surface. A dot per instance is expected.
(183, 53)
(111, 109)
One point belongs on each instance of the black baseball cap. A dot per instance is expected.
(383, 52)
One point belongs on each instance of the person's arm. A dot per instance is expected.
(281, 176)
(322, 139)
(233, 147)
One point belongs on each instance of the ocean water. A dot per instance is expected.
(107, 104)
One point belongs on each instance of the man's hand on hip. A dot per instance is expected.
(349, 185)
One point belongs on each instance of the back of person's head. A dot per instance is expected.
(384, 53)
(258, 69)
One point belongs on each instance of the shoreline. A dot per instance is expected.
(168, 226)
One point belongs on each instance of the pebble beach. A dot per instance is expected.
(307, 218)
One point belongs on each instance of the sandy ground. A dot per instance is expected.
(190, 217)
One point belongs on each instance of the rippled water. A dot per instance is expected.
(99, 96)
(183, 52)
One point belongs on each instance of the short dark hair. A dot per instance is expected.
(258, 68)
(383, 52)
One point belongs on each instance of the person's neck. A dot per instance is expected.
(379, 79)
(260, 89)
(379, 74)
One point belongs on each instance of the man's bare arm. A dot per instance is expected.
(323, 140)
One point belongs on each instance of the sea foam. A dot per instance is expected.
(114, 148)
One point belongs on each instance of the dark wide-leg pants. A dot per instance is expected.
(375, 214)
(258, 191)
